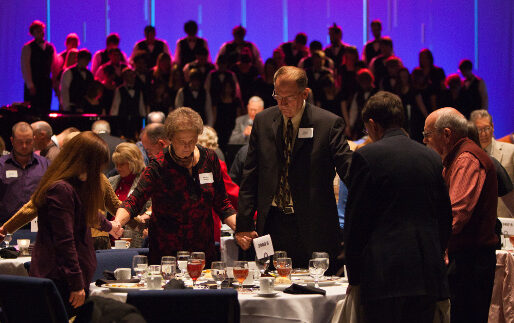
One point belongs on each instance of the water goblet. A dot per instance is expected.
(218, 272)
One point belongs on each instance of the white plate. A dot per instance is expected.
(272, 294)
(123, 287)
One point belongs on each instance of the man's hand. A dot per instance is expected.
(244, 239)
(3, 232)
(446, 259)
(117, 230)
(77, 298)
(248, 131)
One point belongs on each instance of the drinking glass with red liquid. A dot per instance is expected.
(199, 255)
(284, 267)
(194, 268)
(240, 273)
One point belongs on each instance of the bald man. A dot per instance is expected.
(43, 140)
(471, 179)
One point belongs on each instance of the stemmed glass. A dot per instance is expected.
(284, 267)
(278, 254)
(322, 255)
(7, 239)
(317, 268)
(168, 267)
(240, 273)
(262, 264)
(194, 268)
(218, 272)
(182, 258)
(199, 255)
(139, 265)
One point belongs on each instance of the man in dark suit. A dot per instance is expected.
(103, 129)
(397, 221)
(294, 151)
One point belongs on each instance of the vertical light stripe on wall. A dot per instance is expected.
(146, 10)
(364, 21)
(285, 23)
(84, 33)
(48, 22)
(328, 21)
(107, 20)
(152, 12)
(476, 34)
(243, 13)
(200, 34)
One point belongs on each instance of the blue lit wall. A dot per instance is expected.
(481, 30)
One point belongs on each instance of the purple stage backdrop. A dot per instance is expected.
(481, 30)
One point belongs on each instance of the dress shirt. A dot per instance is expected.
(465, 187)
(17, 183)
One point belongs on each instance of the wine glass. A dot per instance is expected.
(241, 270)
(182, 264)
(139, 265)
(168, 267)
(278, 254)
(199, 255)
(284, 267)
(194, 268)
(262, 264)
(183, 252)
(7, 239)
(317, 268)
(321, 255)
(218, 272)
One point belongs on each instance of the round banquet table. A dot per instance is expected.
(14, 266)
(284, 307)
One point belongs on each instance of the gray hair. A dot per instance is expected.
(256, 99)
(42, 127)
(154, 132)
(453, 120)
(183, 119)
(292, 73)
(156, 117)
(101, 126)
(477, 114)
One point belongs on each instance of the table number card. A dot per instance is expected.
(33, 225)
(263, 246)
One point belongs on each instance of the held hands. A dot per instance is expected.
(244, 239)
(77, 298)
(3, 232)
(117, 230)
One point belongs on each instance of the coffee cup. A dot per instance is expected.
(122, 273)
(267, 285)
(121, 244)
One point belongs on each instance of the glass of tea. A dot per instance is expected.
(278, 254)
(194, 269)
(284, 267)
(199, 255)
(240, 270)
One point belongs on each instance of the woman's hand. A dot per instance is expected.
(117, 230)
(77, 298)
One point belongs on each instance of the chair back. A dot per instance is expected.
(24, 234)
(187, 305)
(30, 299)
(112, 260)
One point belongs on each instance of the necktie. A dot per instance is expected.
(283, 196)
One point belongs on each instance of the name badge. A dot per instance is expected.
(305, 132)
(206, 178)
(263, 246)
(11, 173)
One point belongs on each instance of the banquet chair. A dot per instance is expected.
(30, 299)
(112, 260)
(187, 305)
(24, 234)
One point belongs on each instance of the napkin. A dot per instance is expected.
(175, 284)
(9, 253)
(299, 289)
(109, 275)
(99, 282)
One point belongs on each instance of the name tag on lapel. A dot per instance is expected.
(206, 178)
(305, 132)
(11, 173)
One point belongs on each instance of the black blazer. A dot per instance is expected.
(311, 174)
(398, 220)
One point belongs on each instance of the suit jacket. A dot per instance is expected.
(237, 137)
(312, 170)
(504, 153)
(398, 220)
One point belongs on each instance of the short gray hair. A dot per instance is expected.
(183, 119)
(101, 126)
(453, 120)
(42, 126)
(292, 73)
(477, 114)
(155, 117)
(154, 132)
(256, 99)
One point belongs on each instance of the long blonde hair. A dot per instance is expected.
(85, 153)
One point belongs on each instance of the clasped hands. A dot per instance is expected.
(117, 230)
(244, 239)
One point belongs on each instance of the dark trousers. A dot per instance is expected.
(283, 229)
(471, 279)
(419, 309)
(41, 102)
(64, 291)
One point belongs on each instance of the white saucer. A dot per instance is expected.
(272, 294)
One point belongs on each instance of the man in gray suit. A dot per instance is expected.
(241, 133)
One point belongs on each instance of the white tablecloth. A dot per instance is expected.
(13, 266)
(282, 308)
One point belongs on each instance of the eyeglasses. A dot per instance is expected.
(290, 98)
(484, 130)
(427, 134)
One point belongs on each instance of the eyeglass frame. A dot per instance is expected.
(290, 98)
(427, 134)
(484, 130)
